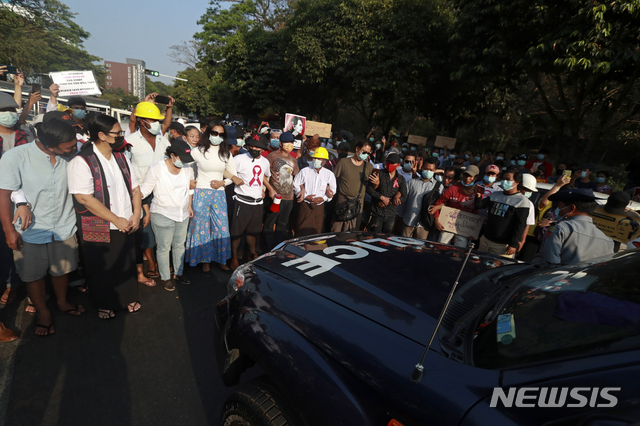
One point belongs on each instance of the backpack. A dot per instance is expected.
(428, 200)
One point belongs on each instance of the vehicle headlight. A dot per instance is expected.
(237, 278)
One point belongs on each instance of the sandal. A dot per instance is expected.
(30, 305)
(110, 314)
(153, 274)
(150, 283)
(132, 307)
(72, 310)
(47, 327)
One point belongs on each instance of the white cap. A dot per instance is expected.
(529, 182)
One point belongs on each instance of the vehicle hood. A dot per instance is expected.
(400, 283)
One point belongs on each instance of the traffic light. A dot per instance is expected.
(152, 72)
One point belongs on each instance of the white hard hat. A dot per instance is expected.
(529, 182)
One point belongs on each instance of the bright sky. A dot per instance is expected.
(138, 29)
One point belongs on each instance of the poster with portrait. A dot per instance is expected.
(295, 124)
(623, 227)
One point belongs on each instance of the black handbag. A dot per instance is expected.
(427, 220)
(350, 209)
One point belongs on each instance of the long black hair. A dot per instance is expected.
(100, 123)
(205, 143)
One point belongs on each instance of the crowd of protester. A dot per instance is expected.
(84, 200)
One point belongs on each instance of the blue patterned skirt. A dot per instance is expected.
(208, 238)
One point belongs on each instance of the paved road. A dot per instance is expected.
(156, 367)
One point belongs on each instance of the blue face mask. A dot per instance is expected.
(439, 178)
(583, 174)
(467, 185)
(452, 157)
(404, 149)
(427, 174)
(507, 185)
(540, 156)
(521, 162)
(275, 143)
(329, 140)
(489, 179)
(512, 162)
(601, 179)
(413, 148)
(362, 156)
(378, 145)
(371, 139)
(476, 159)
(79, 114)
(435, 155)
(178, 163)
(556, 213)
(466, 156)
(406, 167)
(8, 118)
(499, 158)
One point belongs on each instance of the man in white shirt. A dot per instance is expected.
(313, 187)
(252, 168)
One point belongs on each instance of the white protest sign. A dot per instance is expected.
(460, 222)
(76, 83)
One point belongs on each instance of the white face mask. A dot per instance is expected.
(154, 128)
(178, 163)
(240, 142)
(528, 194)
(8, 118)
(215, 140)
(317, 163)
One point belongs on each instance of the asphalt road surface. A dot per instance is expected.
(156, 367)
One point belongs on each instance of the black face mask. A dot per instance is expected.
(342, 155)
(119, 143)
(254, 153)
(69, 154)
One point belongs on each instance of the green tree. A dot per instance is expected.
(193, 96)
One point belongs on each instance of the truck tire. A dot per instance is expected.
(257, 403)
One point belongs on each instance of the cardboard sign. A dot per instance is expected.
(417, 140)
(636, 195)
(460, 222)
(623, 227)
(315, 127)
(295, 124)
(442, 141)
(76, 83)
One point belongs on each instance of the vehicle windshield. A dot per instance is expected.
(567, 311)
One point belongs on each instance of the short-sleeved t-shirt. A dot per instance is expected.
(252, 172)
(283, 169)
(348, 177)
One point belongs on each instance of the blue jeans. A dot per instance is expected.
(170, 236)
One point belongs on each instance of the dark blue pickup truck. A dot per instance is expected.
(337, 323)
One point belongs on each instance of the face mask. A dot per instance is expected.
(540, 156)
(215, 140)
(8, 118)
(452, 157)
(435, 154)
(467, 185)
(528, 194)
(310, 153)
(476, 159)
(521, 162)
(254, 153)
(154, 128)
(178, 163)
(362, 156)
(317, 163)
(583, 174)
(79, 114)
(342, 155)
(378, 145)
(240, 142)
(406, 167)
(370, 140)
(601, 179)
(391, 167)
(466, 156)
(489, 179)
(557, 214)
(439, 178)
(507, 185)
(329, 140)
(512, 162)
(68, 154)
(404, 149)
(499, 158)
(413, 148)
(275, 143)
(119, 143)
(427, 174)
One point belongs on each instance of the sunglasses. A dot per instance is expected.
(214, 133)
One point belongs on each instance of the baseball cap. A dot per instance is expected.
(182, 149)
(492, 168)
(393, 158)
(578, 194)
(262, 142)
(286, 137)
(617, 202)
(472, 170)
(7, 101)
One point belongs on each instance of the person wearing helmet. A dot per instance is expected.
(527, 188)
(313, 186)
(147, 147)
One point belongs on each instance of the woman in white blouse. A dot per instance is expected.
(208, 239)
(107, 202)
(169, 181)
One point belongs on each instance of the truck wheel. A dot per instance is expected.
(256, 403)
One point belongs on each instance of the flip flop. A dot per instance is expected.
(150, 283)
(109, 312)
(70, 311)
(48, 327)
(31, 313)
(153, 274)
(135, 311)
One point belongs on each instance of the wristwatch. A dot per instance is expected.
(22, 204)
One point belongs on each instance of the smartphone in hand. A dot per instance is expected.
(35, 88)
(566, 173)
(162, 99)
(11, 69)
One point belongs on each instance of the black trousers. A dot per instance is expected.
(381, 223)
(280, 220)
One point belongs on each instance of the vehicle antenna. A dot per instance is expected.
(418, 372)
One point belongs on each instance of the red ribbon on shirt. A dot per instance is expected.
(395, 183)
(256, 176)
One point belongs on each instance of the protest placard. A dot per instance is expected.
(295, 124)
(323, 130)
(445, 142)
(417, 140)
(75, 83)
(619, 227)
(460, 222)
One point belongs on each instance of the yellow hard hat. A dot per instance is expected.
(321, 153)
(148, 110)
